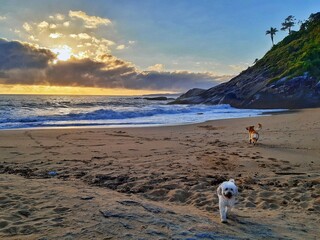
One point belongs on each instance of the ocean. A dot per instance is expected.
(42, 111)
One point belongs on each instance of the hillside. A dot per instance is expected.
(288, 76)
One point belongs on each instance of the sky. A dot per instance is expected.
(121, 47)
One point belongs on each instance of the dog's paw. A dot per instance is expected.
(224, 221)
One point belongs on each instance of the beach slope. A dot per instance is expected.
(160, 182)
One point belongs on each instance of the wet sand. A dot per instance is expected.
(160, 182)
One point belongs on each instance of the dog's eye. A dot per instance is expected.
(231, 189)
(227, 189)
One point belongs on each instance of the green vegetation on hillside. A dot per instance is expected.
(297, 54)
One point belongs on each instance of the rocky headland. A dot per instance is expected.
(288, 76)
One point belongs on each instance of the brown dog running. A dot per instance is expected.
(253, 133)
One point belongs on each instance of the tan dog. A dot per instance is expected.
(253, 133)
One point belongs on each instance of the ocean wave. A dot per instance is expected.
(63, 111)
(106, 114)
(124, 113)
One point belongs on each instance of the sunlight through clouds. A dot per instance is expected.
(72, 52)
(59, 30)
(63, 52)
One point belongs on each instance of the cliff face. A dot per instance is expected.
(288, 76)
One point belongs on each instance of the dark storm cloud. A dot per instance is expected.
(24, 64)
(88, 73)
(15, 55)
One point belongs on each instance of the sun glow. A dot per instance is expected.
(56, 90)
(63, 52)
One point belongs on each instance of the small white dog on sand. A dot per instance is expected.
(227, 193)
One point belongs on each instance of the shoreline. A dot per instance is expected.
(160, 182)
(115, 126)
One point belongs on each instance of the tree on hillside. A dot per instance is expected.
(272, 32)
(314, 19)
(288, 23)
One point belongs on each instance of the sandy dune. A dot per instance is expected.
(160, 183)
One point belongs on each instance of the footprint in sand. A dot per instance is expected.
(11, 230)
(61, 210)
(3, 224)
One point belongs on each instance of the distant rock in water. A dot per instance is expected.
(158, 98)
(288, 76)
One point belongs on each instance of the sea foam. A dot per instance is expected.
(21, 111)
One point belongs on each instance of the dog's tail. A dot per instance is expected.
(259, 127)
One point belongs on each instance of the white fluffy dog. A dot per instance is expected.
(227, 193)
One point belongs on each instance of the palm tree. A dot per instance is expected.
(288, 23)
(272, 32)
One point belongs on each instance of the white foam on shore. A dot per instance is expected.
(17, 112)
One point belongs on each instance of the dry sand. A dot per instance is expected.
(160, 183)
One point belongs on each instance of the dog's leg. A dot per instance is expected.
(255, 141)
(227, 211)
(223, 212)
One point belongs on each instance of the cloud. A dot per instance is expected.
(55, 35)
(57, 16)
(52, 26)
(105, 41)
(60, 17)
(22, 63)
(90, 21)
(2, 18)
(176, 81)
(71, 29)
(157, 67)
(90, 46)
(26, 26)
(43, 24)
(33, 38)
(81, 36)
(16, 55)
(239, 67)
(120, 47)
(109, 73)
(66, 24)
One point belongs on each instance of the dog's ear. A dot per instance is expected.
(219, 191)
(231, 180)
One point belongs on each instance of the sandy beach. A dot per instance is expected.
(160, 182)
